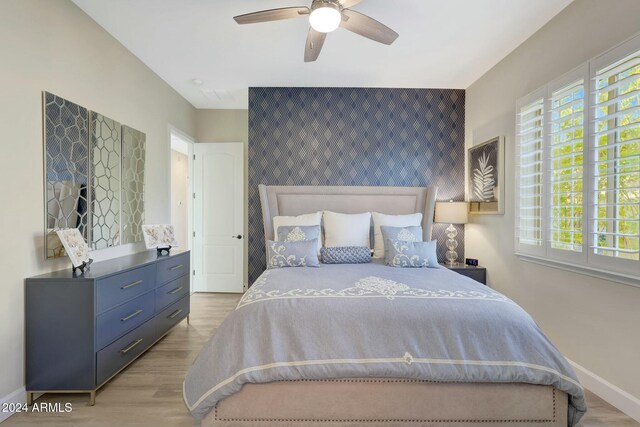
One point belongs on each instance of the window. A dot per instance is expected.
(578, 167)
(530, 162)
(616, 146)
(566, 166)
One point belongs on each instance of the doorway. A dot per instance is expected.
(218, 215)
(181, 188)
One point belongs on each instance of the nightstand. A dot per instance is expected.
(479, 274)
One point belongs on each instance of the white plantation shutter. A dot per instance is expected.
(578, 169)
(530, 136)
(566, 167)
(616, 153)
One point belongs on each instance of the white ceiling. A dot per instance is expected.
(442, 44)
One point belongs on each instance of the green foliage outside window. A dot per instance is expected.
(618, 168)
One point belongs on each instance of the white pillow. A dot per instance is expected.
(346, 229)
(393, 221)
(305, 219)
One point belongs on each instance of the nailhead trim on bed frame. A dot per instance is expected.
(300, 420)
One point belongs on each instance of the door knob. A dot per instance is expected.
(239, 236)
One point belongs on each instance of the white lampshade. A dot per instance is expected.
(326, 18)
(452, 212)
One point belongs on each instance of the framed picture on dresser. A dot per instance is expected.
(486, 177)
(74, 245)
(158, 236)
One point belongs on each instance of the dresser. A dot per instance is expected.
(84, 328)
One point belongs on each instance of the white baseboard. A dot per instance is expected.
(608, 392)
(17, 396)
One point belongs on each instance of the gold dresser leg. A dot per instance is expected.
(29, 398)
(92, 398)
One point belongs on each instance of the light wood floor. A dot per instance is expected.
(149, 391)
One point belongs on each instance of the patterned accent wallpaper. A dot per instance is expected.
(354, 136)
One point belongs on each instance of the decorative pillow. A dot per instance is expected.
(394, 221)
(292, 254)
(411, 254)
(406, 234)
(305, 219)
(297, 233)
(346, 255)
(411, 233)
(346, 229)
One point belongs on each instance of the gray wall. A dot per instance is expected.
(222, 126)
(54, 46)
(354, 136)
(593, 322)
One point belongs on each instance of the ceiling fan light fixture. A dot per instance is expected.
(325, 18)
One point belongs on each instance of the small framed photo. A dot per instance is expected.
(75, 246)
(159, 236)
(486, 177)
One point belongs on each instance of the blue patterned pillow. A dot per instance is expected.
(406, 234)
(292, 254)
(346, 255)
(411, 254)
(297, 233)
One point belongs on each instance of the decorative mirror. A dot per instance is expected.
(133, 152)
(66, 133)
(105, 154)
(94, 177)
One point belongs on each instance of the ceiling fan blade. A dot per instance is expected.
(312, 49)
(272, 15)
(367, 27)
(349, 3)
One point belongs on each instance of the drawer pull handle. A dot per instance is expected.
(175, 267)
(134, 314)
(174, 314)
(131, 285)
(131, 346)
(173, 291)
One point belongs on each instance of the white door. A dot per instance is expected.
(218, 203)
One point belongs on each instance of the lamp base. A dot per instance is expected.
(452, 244)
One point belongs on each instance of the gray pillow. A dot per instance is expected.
(346, 255)
(292, 254)
(411, 254)
(297, 233)
(405, 234)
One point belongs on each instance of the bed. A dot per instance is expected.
(368, 344)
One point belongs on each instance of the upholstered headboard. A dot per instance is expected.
(279, 200)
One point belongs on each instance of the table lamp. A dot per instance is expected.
(452, 213)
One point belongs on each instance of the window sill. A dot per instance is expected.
(625, 279)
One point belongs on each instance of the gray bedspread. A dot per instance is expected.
(370, 320)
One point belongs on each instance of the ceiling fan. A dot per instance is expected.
(325, 16)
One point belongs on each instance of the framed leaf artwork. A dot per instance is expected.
(486, 177)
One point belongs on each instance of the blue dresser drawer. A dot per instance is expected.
(171, 292)
(121, 287)
(172, 268)
(114, 357)
(115, 322)
(81, 329)
(172, 315)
